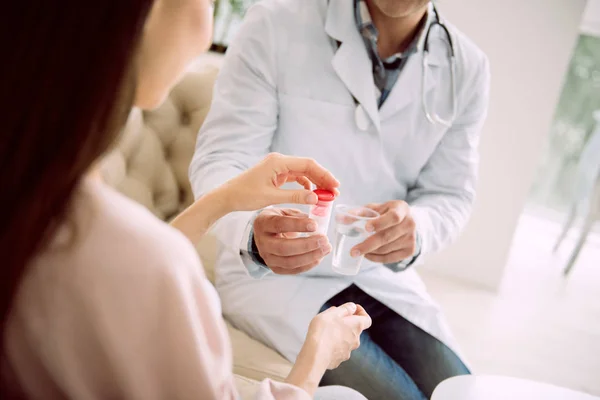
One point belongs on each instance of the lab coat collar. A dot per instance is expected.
(354, 67)
(339, 23)
(433, 59)
(351, 61)
(408, 87)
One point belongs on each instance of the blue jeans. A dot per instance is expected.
(396, 359)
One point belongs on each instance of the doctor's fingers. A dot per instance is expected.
(294, 271)
(272, 223)
(407, 242)
(285, 247)
(379, 239)
(390, 258)
(393, 216)
(297, 261)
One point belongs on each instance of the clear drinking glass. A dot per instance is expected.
(350, 230)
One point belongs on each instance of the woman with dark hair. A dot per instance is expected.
(99, 299)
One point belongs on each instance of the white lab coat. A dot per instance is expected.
(286, 87)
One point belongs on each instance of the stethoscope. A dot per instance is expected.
(360, 115)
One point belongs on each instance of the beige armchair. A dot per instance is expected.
(150, 165)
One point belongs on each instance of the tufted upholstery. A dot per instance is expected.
(150, 165)
(150, 162)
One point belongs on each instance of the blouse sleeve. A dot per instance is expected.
(162, 334)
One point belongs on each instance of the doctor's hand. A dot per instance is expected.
(394, 239)
(276, 234)
(260, 186)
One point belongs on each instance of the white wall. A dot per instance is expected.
(529, 44)
(591, 18)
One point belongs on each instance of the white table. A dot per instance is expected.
(471, 387)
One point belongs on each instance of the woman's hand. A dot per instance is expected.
(254, 189)
(336, 332)
(332, 335)
(260, 186)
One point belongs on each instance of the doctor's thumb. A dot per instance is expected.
(296, 196)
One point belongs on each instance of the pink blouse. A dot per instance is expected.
(118, 307)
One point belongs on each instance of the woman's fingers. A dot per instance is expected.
(346, 309)
(307, 167)
(302, 180)
(283, 196)
(259, 186)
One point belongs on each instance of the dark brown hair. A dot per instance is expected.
(67, 81)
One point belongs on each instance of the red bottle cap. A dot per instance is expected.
(324, 194)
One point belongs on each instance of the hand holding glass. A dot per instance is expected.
(350, 230)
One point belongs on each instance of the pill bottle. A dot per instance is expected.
(321, 212)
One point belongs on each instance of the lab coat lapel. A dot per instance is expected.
(351, 61)
(408, 88)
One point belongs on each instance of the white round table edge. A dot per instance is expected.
(490, 387)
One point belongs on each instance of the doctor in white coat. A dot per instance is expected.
(347, 83)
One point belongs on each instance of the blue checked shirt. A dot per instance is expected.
(385, 74)
(385, 71)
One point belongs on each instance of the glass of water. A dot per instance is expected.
(350, 230)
